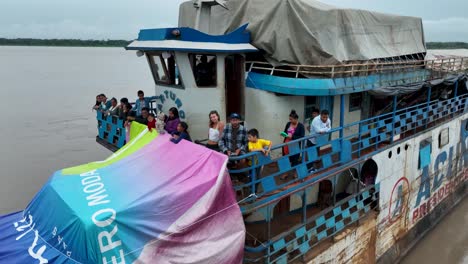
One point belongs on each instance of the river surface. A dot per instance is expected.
(48, 125)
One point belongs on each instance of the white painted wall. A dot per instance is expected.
(390, 171)
(269, 113)
(197, 102)
(405, 164)
(350, 117)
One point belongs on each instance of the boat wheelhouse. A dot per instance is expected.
(401, 121)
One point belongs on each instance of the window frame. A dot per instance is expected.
(440, 138)
(192, 62)
(151, 58)
(422, 144)
(352, 108)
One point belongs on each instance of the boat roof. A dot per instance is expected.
(192, 40)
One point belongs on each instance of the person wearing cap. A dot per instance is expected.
(234, 139)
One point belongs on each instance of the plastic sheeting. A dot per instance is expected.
(411, 88)
(309, 32)
(151, 202)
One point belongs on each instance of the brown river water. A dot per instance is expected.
(48, 125)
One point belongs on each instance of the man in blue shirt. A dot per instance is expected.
(142, 102)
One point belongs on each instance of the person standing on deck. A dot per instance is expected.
(142, 119)
(215, 130)
(105, 105)
(203, 72)
(292, 131)
(98, 102)
(142, 102)
(234, 138)
(315, 113)
(320, 125)
(114, 108)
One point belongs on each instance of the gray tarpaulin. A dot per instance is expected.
(309, 32)
(410, 88)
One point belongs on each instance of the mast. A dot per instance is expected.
(202, 20)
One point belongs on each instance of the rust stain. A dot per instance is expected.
(353, 245)
(366, 254)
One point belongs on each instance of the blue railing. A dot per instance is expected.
(361, 139)
(298, 240)
(111, 129)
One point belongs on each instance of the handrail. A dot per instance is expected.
(362, 64)
(370, 133)
(446, 65)
(307, 235)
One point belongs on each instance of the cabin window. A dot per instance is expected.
(164, 69)
(443, 137)
(355, 100)
(425, 150)
(204, 69)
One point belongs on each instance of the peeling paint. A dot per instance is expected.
(400, 179)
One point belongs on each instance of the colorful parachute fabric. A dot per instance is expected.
(152, 202)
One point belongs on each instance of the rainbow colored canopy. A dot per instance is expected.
(151, 202)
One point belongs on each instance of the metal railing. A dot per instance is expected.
(299, 239)
(361, 139)
(438, 68)
(111, 129)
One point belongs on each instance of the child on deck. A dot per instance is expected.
(181, 133)
(257, 144)
(151, 122)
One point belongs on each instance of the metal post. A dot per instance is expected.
(335, 180)
(269, 231)
(395, 101)
(254, 175)
(304, 207)
(429, 90)
(342, 110)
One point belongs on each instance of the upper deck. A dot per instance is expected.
(326, 80)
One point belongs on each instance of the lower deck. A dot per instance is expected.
(360, 179)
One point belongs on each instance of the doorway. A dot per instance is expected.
(234, 84)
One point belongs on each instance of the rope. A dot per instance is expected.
(256, 239)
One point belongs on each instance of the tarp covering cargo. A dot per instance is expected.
(309, 32)
(151, 202)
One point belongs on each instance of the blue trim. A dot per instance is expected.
(369, 135)
(331, 86)
(238, 36)
(192, 50)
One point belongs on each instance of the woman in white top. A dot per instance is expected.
(114, 109)
(215, 130)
